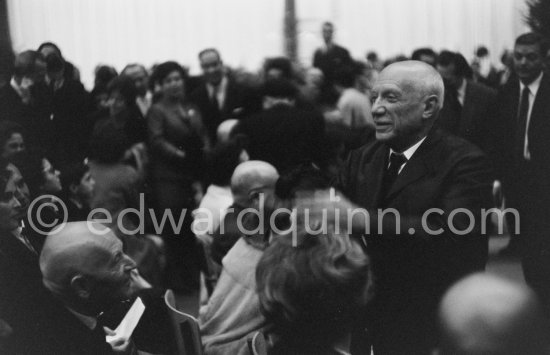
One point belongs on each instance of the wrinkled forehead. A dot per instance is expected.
(395, 80)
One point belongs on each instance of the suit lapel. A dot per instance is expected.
(541, 102)
(417, 167)
(373, 182)
(467, 108)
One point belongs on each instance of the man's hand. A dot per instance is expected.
(120, 345)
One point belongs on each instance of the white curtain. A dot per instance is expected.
(117, 32)
(392, 27)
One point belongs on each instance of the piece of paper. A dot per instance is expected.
(129, 323)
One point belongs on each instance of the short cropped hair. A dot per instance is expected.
(25, 63)
(7, 129)
(462, 68)
(531, 38)
(423, 51)
(311, 292)
(213, 50)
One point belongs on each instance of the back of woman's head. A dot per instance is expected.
(311, 291)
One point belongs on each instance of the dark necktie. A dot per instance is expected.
(214, 99)
(456, 110)
(522, 123)
(396, 161)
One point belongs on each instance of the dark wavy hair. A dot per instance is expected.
(163, 70)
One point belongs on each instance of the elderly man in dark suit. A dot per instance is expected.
(220, 96)
(89, 276)
(522, 143)
(424, 191)
(467, 104)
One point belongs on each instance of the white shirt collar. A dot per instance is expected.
(89, 321)
(533, 87)
(407, 153)
(25, 97)
(411, 150)
(221, 90)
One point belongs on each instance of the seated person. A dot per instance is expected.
(311, 287)
(485, 314)
(250, 180)
(233, 311)
(12, 140)
(88, 274)
(78, 185)
(44, 185)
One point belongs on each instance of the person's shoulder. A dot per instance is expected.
(452, 147)
(481, 90)
(199, 92)
(366, 152)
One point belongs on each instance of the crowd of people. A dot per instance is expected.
(335, 209)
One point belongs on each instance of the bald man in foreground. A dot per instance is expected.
(437, 185)
(233, 311)
(484, 314)
(85, 269)
(252, 186)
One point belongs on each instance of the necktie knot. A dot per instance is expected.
(396, 160)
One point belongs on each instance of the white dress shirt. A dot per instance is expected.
(533, 89)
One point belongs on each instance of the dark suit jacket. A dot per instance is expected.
(239, 102)
(285, 137)
(29, 308)
(69, 108)
(473, 123)
(413, 269)
(329, 61)
(34, 117)
(526, 184)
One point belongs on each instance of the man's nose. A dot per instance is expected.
(377, 109)
(130, 264)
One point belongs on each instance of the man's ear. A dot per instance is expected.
(81, 286)
(431, 106)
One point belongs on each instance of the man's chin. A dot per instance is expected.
(384, 136)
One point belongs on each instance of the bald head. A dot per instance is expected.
(250, 178)
(83, 264)
(73, 248)
(416, 75)
(483, 314)
(407, 97)
(225, 129)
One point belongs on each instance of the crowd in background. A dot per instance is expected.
(223, 146)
